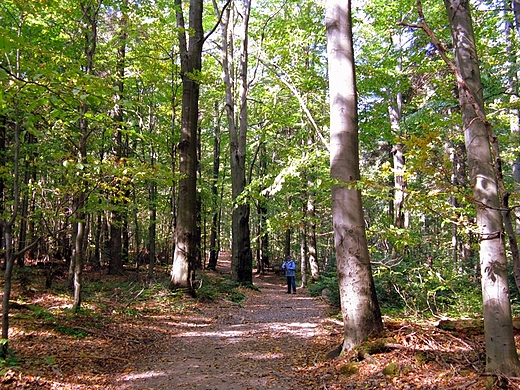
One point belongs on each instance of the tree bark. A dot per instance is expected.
(29, 173)
(117, 223)
(263, 240)
(359, 306)
(241, 255)
(90, 15)
(501, 354)
(7, 229)
(303, 255)
(191, 57)
(512, 29)
(395, 109)
(214, 231)
(310, 213)
(152, 228)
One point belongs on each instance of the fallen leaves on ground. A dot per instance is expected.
(115, 336)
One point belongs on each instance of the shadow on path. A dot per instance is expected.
(260, 345)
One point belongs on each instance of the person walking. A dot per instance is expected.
(290, 272)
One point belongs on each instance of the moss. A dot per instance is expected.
(349, 369)
(421, 358)
(373, 347)
(392, 369)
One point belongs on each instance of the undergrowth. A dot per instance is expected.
(213, 287)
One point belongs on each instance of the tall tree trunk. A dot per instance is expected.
(242, 258)
(395, 114)
(501, 354)
(152, 203)
(263, 241)
(185, 255)
(359, 306)
(24, 207)
(310, 212)
(117, 223)
(173, 151)
(7, 229)
(198, 220)
(152, 228)
(303, 255)
(90, 14)
(78, 255)
(3, 163)
(214, 231)
(241, 255)
(512, 30)
(287, 243)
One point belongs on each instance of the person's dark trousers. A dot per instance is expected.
(291, 282)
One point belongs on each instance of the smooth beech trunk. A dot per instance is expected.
(501, 354)
(359, 306)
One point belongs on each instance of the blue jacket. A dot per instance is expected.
(289, 267)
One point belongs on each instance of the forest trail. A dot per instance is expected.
(260, 344)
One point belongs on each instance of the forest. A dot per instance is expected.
(146, 138)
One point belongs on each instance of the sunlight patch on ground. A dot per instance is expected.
(189, 325)
(15, 331)
(219, 334)
(263, 356)
(59, 302)
(144, 375)
(301, 329)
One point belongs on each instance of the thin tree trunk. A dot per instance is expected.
(115, 266)
(90, 14)
(152, 229)
(152, 203)
(395, 114)
(213, 239)
(287, 243)
(310, 230)
(303, 255)
(7, 228)
(263, 241)
(3, 162)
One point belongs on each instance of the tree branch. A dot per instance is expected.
(303, 105)
(219, 14)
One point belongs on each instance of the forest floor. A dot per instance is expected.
(270, 340)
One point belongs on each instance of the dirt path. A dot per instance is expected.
(261, 344)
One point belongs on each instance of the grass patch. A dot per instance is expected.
(71, 331)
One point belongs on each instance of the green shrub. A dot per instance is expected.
(8, 359)
(326, 286)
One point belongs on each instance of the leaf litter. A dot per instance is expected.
(271, 340)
